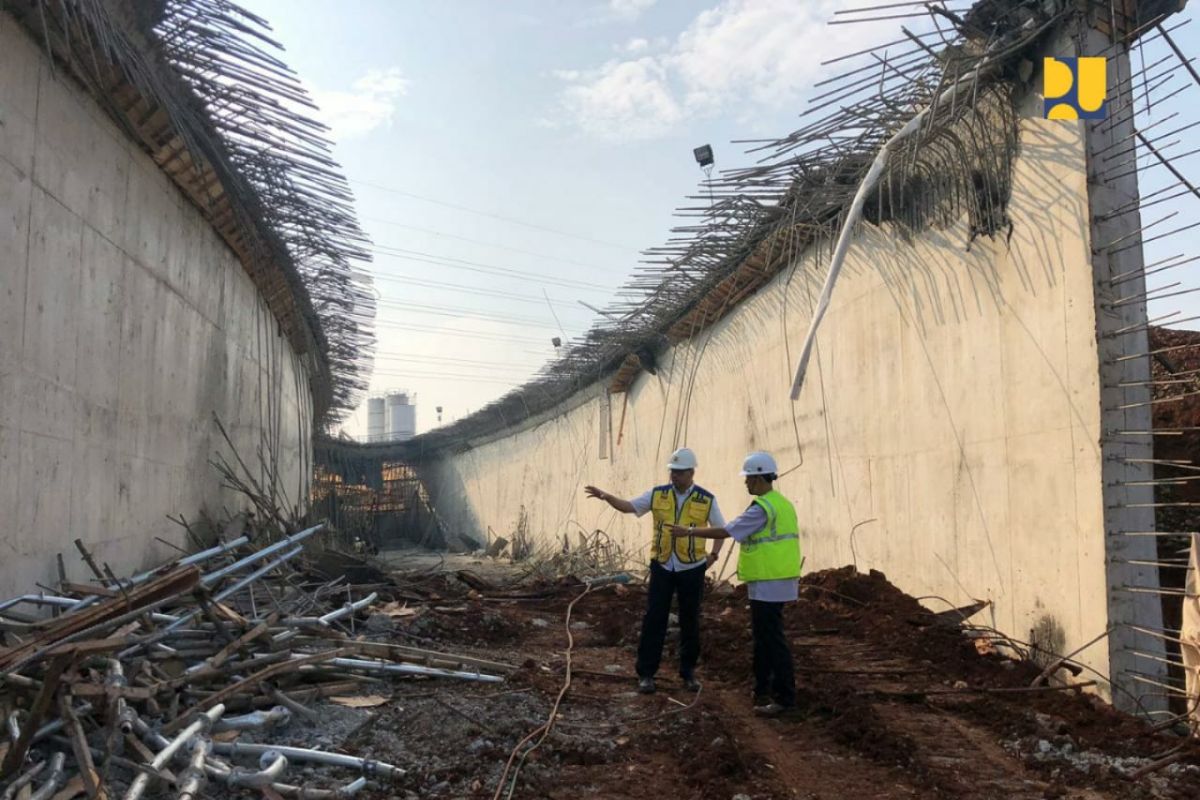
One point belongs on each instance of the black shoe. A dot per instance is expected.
(646, 685)
(761, 699)
(690, 683)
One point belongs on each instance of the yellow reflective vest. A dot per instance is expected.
(772, 553)
(693, 512)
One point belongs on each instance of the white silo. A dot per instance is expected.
(376, 420)
(401, 417)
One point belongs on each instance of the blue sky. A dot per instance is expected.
(506, 152)
(573, 121)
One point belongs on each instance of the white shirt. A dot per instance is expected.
(641, 504)
(745, 525)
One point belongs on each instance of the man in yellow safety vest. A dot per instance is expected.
(677, 565)
(768, 536)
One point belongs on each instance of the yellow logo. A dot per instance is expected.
(1074, 88)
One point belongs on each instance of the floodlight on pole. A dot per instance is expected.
(704, 157)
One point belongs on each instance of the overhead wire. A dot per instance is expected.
(483, 335)
(490, 245)
(457, 287)
(423, 257)
(456, 311)
(439, 359)
(448, 376)
(491, 215)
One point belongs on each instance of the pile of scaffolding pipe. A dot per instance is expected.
(201, 647)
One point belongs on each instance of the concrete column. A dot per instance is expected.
(1126, 444)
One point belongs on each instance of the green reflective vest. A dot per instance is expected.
(773, 553)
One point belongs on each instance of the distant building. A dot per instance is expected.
(391, 417)
(376, 420)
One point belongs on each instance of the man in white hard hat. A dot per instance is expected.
(768, 536)
(677, 565)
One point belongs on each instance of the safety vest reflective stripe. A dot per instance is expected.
(767, 553)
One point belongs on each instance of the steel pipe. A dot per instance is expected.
(13, 725)
(203, 723)
(304, 793)
(257, 555)
(410, 669)
(193, 779)
(277, 715)
(272, 765)
(56, 725)
(304, 755)
(235, 588)
(39, 599)
(194, 558)
(24, 780)
(54, 781)
(348, 609)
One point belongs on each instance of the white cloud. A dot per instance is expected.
(635, 45)
(624, 100)
(739, 56)
(369, 104)
(629, 9)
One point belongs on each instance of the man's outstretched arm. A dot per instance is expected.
(619, 503)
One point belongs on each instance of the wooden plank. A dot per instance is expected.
(89, 647)
(240, 642)
(83, 753)
(87, 689)
(15, 756)
(175, 582)
(88, 588)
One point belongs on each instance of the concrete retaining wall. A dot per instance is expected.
(125, 324)
(948, 434)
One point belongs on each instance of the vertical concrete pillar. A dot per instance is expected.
(1134, 610)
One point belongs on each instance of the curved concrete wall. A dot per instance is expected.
(125, 325)
(949, 432)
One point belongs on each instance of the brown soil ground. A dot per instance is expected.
(887, 711)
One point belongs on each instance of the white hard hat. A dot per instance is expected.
(759, 463)
(683, 458)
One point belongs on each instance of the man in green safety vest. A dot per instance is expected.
(769, 564)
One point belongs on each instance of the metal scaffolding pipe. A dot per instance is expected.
(301, 754)
(194, 558)
(54, 780)
(348, 609)
(224, 593)
(205, 721)
(193, 779)
(410, 669)
(13, 725)
(278, 715)
(258, 555)
(271, 766)
(24, 780)
(304, 793)
(54, 726)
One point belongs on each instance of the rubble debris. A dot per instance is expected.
(895, 703)
(204, 677)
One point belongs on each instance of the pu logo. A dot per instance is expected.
(1074, 88)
